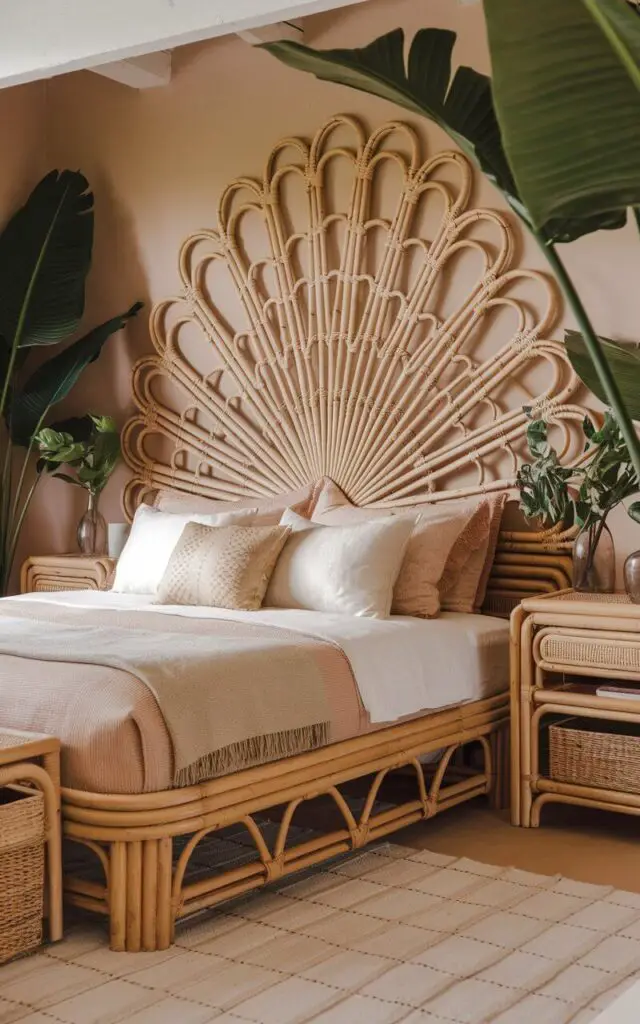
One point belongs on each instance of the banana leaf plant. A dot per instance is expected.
(45, 255)
(555, 130)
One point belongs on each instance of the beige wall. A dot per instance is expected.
(157, 161)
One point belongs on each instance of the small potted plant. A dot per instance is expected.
(580, 497)
(90, 450)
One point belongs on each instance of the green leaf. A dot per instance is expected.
(53, 381)
(462, 106)
(567, 107)
(45, 253)
(634, 511)
(624, 361)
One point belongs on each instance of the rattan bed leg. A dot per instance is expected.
(499, 794)
(149, 894)
(165, 913)
(118, 896)
(134, 897)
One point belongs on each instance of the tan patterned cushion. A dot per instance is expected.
(464, 590)
(222, 567)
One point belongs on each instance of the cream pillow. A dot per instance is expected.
(443, 540)
(267, 510)
(348, 570)
(222, 567)
(151, 541)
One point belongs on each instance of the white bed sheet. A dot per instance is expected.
(401, 665)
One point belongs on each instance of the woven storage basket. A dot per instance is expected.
(596, 757)
(22, 840)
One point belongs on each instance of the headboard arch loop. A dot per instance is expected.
(351, 315)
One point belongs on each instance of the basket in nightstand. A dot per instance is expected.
(22, 845)
(605, 755)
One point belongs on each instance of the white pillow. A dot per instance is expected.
(151, 542)
(350, 570)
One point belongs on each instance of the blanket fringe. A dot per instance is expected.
(256, 750)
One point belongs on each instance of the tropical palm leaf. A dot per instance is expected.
(45, 253)
(567, 106)
(53, 381)
(461, 105)
(624, 362)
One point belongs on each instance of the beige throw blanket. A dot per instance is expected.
(232, 698)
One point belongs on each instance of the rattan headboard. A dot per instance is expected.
(352, 315)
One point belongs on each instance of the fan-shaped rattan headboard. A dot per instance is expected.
(384, 338)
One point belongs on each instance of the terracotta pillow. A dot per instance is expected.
(269, 509)
(464, 587)
(222, 566)
(443, 538)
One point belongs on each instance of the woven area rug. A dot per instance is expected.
(392, 935)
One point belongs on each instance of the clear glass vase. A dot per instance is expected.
(92, 529)
(594, 560)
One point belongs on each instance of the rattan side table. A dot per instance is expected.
(563, 646)
(35, 758)
(50, 573)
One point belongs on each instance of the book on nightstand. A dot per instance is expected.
(621, 692)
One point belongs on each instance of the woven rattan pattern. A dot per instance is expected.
(315, 336)
(585, 757)
(22, 833)
(591, 653)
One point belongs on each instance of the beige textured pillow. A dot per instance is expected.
(347, 570)
(222, 567)
(464, 590)
(443, 539)
(268, 511)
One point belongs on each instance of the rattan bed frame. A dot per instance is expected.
(307, 341)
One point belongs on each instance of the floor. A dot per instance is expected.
(80, 982)
(589, 846)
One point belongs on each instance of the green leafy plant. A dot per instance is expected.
(555, 131)
(581, 495)
(45, 255)
(90, 448)
(544, 482)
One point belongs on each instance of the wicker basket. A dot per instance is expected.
(606, 756)
(22, 841)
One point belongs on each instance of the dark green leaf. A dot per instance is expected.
(624, 361)
(45, 253)
(567, 107)
(462, 105)
(53, 381)
(634, 511)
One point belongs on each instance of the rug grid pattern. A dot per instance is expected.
(392, 935)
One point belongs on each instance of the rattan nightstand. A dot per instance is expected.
(34, 758)
(48, 573)
(563, 646)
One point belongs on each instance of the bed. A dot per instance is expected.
(387, 343)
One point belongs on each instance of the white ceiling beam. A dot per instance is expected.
(42, 38)
(269, 33)
(146, 72)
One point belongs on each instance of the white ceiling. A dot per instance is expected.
(42, 38)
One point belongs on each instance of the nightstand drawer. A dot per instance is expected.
(51, 573)
(577, 651)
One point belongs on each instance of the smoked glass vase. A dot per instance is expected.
(92, 529)
(594, 561)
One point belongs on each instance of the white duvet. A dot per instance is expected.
(401, 665)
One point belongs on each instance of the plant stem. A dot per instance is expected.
(607, 379)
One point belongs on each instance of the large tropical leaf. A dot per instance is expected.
(568, 109)
(462, 106)
(45, 253)
(53, 381)
(624, 362)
